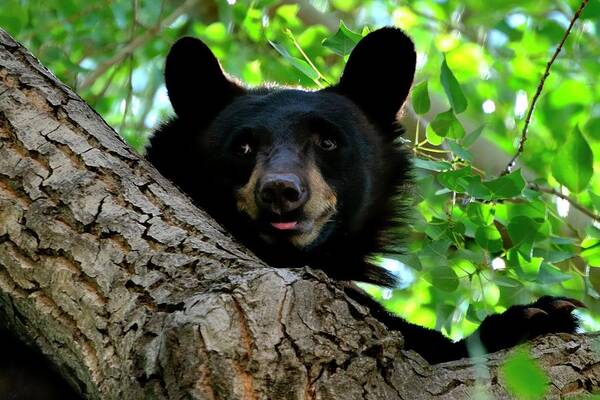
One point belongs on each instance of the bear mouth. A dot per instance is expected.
(288, 225)
(285, 226)
(300, 230)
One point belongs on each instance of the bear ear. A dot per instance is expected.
(195, 82)
(379, 74)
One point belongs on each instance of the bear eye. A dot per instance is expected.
(243, 149)
(327, 143)
(243, 144)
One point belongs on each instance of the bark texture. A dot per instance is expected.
(135, 293)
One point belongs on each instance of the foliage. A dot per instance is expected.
(480, 240)
(523, 377)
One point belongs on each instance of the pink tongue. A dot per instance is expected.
(284, 226)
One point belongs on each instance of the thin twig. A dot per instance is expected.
(129, 96)
(563, 196)
(79, 15)
(135, 43)
(444, 23)
(107, 84)
(435, 150)
(310, 15)
(540, 87)
(320, 76)
(148, 96)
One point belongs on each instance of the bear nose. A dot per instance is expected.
(281, 193)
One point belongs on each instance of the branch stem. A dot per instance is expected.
(136, 43)
(540, 87)
(563, 196)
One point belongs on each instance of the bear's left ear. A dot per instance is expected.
(197, 86)
(379, 74)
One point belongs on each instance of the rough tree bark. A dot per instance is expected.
(135, 293)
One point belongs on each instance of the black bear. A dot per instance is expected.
(312, 177)
(302, 178)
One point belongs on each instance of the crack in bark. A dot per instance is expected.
(205, 379)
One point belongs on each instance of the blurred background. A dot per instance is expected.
(476, 241)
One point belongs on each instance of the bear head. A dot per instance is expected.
(302, 177)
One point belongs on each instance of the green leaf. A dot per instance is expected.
(439, 228)
(523, 377)
(472, 137)
(299, 64)
(464, 181)
(446, 124)
(477, 189)
(573, 165)
(434, 253)
(591, 255)
(343, 41)
(526, 269)
(480, 214)
(489, 238)
(289, 13)
(549, 274)
(252, 24)
(463, 267)
(523, 231)
(459, 151)
(457, 180)
(506, 281)
(452, 88)
(420, 98)
(13, 16)
(553, 256)
(444, 278)
(345, 5)
(431, 165)
(592, 232)
(216, 32)
(436, 228)
(432, 138)
(595, 200)
(507, 186)
(592, 10)
(411, 260)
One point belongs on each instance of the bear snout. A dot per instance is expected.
(281, 193)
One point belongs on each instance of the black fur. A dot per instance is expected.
(366, 171)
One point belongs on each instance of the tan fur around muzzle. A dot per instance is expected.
(319, 208)
(246, 202)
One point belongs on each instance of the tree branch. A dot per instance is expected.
(540, 87)
(449, 25)
(135, 43)
(563, 196)
(311, 16)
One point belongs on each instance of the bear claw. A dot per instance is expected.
(532, 312)
(567, 305)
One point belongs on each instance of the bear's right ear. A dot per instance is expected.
(379, 74)
(195, 82)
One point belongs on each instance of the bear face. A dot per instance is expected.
(287, 156)
(301, 177)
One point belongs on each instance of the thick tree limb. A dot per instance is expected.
(135, 293)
